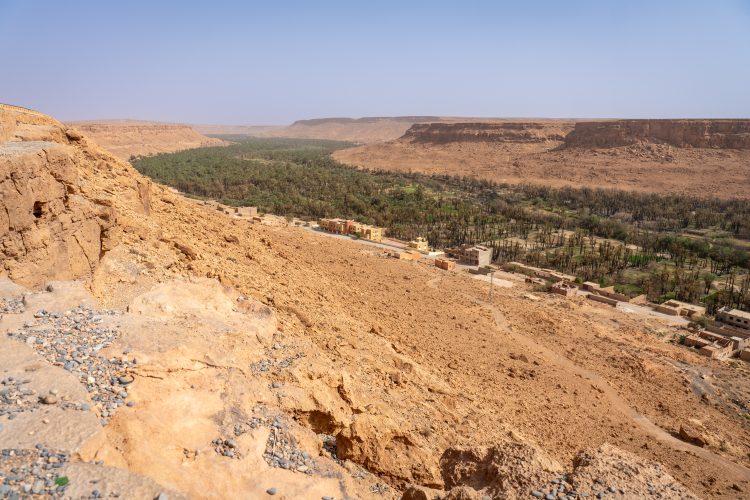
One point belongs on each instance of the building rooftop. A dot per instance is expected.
(736, 312)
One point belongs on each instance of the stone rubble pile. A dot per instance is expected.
(13, 305)
(560, 488)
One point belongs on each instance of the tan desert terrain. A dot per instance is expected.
(250, 130)
(126, 138)
(693, 157)
(266, 360)
(364, 130)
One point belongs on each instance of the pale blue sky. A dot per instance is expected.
(278, 61)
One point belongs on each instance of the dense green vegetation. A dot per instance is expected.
(666, 246)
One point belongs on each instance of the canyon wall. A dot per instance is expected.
(716, 134)
(528, 132)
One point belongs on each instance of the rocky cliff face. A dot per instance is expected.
(529, 132)
(51, 226)
(718, 134)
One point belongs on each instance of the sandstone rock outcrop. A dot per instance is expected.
(523, 132)
(510, 469)
(717, 134)
(48, 228)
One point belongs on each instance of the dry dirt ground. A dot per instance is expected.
(124, 138)
(385, 373)
(657, 168)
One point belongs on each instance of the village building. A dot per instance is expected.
(420, 244)
(347, 226)
(564, 288)
(547, 274)
(678, 308)
(410, 255)
(734, 317)
(477, 255)
(246, 211)
(603, 299)
(370, 233)
(445, 264)
(607, 292)
(338, 226)
(590, 286)
(729, 335)
(712, 345)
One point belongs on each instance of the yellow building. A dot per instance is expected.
(334, 225)
(420, 244)
(371, 233)
(346, 226)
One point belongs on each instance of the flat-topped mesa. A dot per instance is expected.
(530, 132)
(366, 119)
(693, 133)
(128, 137)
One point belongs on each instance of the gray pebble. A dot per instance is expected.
(131, 404)
(271, 491)
(537, 494)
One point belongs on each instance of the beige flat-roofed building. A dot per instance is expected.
(477, 255)
(734, 317)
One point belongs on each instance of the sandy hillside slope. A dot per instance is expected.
(126, 138)
(270, 359)
(694, 157)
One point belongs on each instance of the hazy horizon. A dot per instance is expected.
(232, 63)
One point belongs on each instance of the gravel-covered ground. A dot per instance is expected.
(12, 305)
(32, 472)
(73, 340)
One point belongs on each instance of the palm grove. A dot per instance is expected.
(692, 249)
